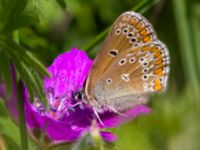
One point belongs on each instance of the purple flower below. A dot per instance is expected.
(64, 123)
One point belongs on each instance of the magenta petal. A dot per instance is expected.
(112, 122)
(68, 72)
(55, 130)
(107, 136)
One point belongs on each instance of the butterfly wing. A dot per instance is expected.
(129, 30)
(134, 75)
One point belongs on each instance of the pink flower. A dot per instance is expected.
(62, 123)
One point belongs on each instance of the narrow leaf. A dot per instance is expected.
(27, 73)
(23, 20)
(6, 72)
(29, 58)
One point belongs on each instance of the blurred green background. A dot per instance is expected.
(47, 28)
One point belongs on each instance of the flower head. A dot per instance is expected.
(65, 122)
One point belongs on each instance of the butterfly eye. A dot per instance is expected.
(122, 61)
(78, 95)
(118, 31)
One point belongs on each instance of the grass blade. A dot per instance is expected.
(186, 45)
(6, 72)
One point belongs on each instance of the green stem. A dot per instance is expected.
(141, 8)
(196, 33)
(94, 42)
(22, 120)
(186, 44)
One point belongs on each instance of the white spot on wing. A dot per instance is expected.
(118, 31)
(122, 61)
(125, 77)
(145, 77)
(132, 60)
(113, 52)
(109, 81)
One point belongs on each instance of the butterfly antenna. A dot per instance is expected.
(115, 111)
(98, 117)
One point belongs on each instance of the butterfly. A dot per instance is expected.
(131, 65)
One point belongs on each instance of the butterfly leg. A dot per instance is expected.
(98, 117)
(115, 111)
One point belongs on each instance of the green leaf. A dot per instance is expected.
(33, 82)
(10, 143)
(9, 130)
(23, 20)
(29, 58)
(2, 143)
(1, 71)
(18, 8)
(37, 65)
(3, 110)
(6, 72)
(5, 10)
(22, 120)
(27, 70)
(145, 5)
(10, 11)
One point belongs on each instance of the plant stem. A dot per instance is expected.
(22, 120)
(186, 43)
(94, 42)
